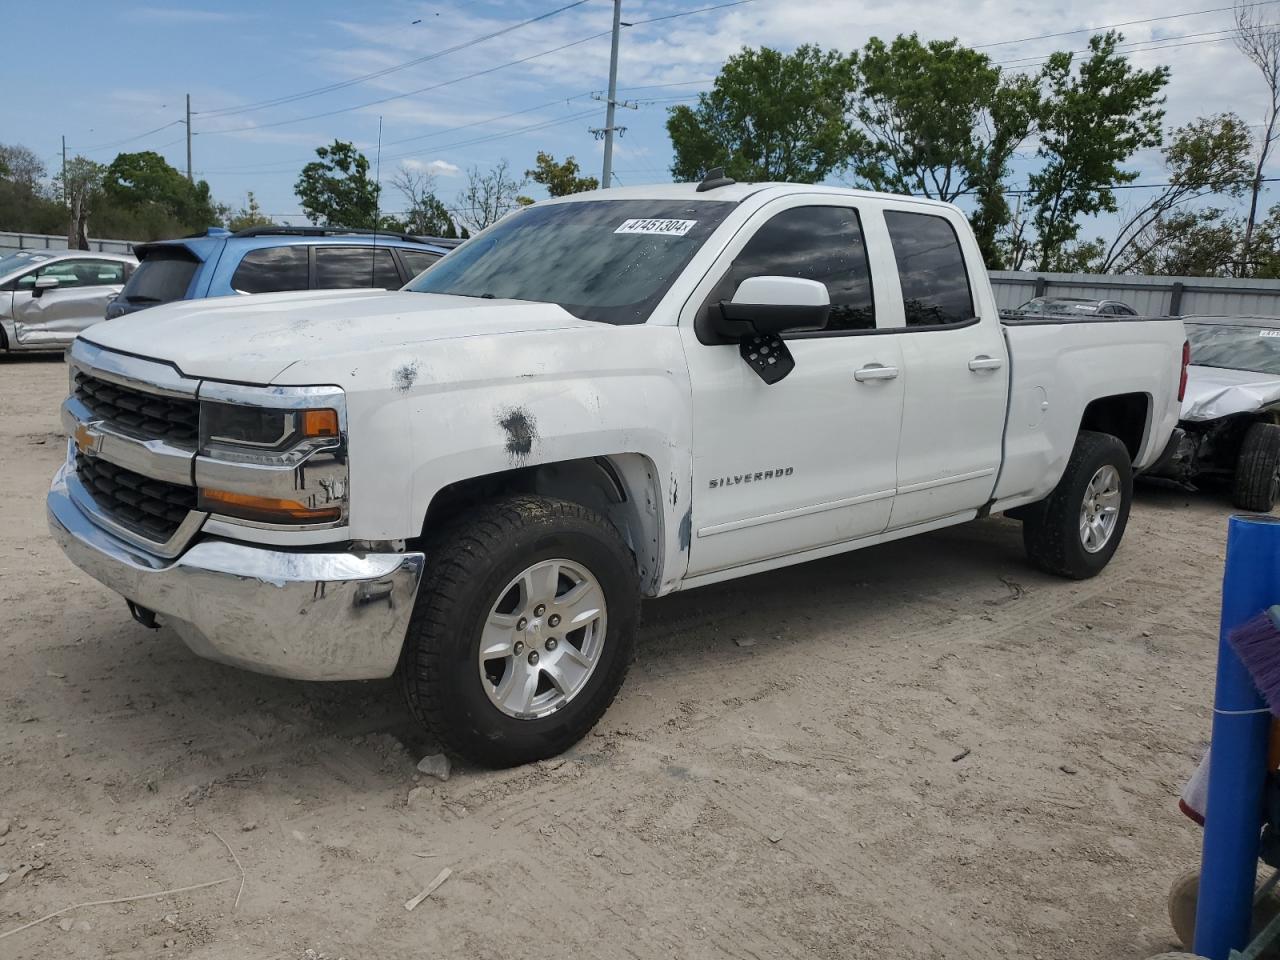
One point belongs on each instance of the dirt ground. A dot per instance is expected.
(921, 750)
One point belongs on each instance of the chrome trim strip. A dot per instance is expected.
(84, 502)
(311, 616)
(287, 398)
(148, 376)
(156, 459)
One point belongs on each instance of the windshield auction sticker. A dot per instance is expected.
(666, 228)
(1269, 333)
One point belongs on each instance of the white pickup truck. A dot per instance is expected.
(616, 395)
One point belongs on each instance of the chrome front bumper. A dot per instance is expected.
(310, 616)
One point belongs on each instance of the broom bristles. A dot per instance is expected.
(1257, 644)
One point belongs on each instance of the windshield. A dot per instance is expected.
(604, 260)
(162, 277)
(1233, 347)
(20, 260)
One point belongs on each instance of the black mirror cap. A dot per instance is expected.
(740, 321)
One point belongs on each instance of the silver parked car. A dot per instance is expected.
(49, 296)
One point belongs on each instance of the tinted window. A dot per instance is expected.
(935, 286)
(604, 260)
(272, 270)
(346, 268)
(812, 243)
(162, 277)
(415, 261)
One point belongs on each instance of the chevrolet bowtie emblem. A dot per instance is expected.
(87, 439)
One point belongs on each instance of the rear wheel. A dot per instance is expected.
(522, 631)
(1076, 530)
(1256, 486)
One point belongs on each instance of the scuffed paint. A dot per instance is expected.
(522, 430)
(405, 376)
(675, 491)
(686, 530)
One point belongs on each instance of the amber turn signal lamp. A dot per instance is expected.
(319, 423)
(266, 509)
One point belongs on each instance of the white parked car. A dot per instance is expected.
(49, 296)
(603, 397)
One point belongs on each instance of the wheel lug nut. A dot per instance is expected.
(539, 610)
(551, 643)
(519, 647)
(521, 623)
(533, 656)
(554, 620)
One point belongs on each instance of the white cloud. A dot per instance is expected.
(439, 168)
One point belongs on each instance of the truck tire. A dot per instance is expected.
(522, 631)
(1075, 530)
(1256, 486)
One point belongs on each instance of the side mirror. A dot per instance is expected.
(44, 283)
(767, 306)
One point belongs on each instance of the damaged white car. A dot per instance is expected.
(1230, 420)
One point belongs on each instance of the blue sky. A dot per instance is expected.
(113, 71)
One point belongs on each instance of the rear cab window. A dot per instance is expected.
(931, 270)
(164, 275)
(415, 261)
(272, 270)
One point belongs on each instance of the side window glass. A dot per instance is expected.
(935, 284)
(812, 243)
(415, 261)
(272, 270)
(347, 268)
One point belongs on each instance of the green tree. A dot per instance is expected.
(941, 121)
(488, 197)
(560, 179)
(27, 202)
(144, 187)
(1210, 155)
(82, 186)
(336, 189)
(250, 215)
(769, 116)
(1090, 121)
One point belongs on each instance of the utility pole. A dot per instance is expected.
(608, 130)
(190, 179)
(64, 170)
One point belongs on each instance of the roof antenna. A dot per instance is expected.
(715, 178)
(377, 209)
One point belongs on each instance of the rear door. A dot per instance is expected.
(956, 369)
(54, 316)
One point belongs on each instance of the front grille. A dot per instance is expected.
(144, 414)
(151, 508)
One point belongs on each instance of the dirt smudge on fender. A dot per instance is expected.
(405, 376)
(522, 430)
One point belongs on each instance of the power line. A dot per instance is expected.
(1112, 26)
(718, 6)
(1126, 50)
(435, 55)
(139, 136)
(1026, 191)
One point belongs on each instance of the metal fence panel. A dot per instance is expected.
(1151, 296)
(9, 242)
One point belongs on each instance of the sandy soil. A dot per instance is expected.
(780, 778)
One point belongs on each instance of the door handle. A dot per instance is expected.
(875, 371)
(983, 362)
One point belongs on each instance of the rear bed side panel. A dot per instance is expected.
(1057, 370)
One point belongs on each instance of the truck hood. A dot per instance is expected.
(1214, 392)
(255, 339)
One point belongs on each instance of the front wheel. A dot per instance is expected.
(1075, 531)
(522, 631)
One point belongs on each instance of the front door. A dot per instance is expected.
(53, 316)
(810, 460)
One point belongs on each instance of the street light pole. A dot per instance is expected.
(190, 179)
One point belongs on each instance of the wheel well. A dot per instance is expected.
(623, 488)
(1123, 416)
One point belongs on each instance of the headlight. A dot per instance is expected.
(229, 431)
(273, 456)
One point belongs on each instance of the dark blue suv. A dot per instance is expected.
(220, 263)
